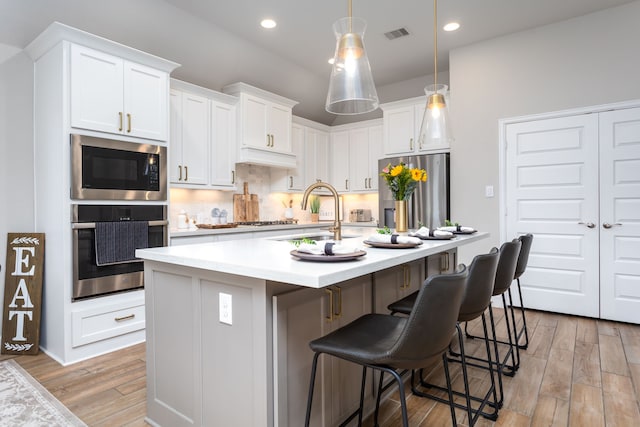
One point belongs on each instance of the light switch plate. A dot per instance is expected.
(488, 191)
(226, 312)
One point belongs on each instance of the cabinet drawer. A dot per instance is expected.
(98, 323)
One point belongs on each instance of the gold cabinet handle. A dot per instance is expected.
(346, 184)
(120, 115)
(268, 140)
(410, 143)
(186, 174)
(129, 317)
(180, 173)
(233, 177)
(330, 316)
(128, 122)
(339, 313)
(272, 141)
(290, 182)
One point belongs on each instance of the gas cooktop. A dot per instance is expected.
(276, 222)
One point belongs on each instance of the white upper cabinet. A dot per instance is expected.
(310, 144)
(355, 151)
(401, 128)
(223, 144)
(264, 127)
(340, 161)
(202, 145)
(189, 143)
(113, 95)
(316, 159)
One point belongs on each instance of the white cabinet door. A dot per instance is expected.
(296, 177)
(316, 161)
(399, 131)
(223, 144)
(195, 139)
(620, 215)
(375, 154)
(97, 96)
(359, 156)
(279, 127)
(175, 136)
(340, 161)
(145, 101)
(111, 95)
(552, 192)
(189, 141)
(255, 129)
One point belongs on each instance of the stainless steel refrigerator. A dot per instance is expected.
(429, 204)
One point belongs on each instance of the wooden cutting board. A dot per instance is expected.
(246, 206)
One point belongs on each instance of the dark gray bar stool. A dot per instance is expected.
(388, 343)
(523, 260)
(478, 292)
(509, 252)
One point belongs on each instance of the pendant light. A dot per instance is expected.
(436, 124)
(351, 87)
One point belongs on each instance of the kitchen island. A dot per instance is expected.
(228, 325)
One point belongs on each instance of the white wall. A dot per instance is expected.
(585, 61)
(16, 151)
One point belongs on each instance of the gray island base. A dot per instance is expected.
(228, 326)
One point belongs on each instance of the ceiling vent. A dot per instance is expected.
(395, 34)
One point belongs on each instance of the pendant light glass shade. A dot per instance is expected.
(436, 124)
(351, 87)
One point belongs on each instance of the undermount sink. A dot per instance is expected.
(317, 237)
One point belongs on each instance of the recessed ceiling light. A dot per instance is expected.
(331, 61)
(268, 23)
(451, 26)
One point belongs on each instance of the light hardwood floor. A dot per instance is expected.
(576, 372)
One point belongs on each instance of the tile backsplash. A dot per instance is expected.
(272, 205)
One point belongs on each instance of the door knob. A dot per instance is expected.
(589, 224)
(607, 225)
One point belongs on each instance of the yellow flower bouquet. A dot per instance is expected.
(403, 180)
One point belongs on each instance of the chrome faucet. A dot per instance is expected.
(336, 229)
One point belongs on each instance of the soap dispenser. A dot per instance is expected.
(183, 219)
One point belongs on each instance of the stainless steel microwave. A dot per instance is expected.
(108, 169)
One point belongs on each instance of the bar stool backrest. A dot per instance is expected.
(432, 322)
(506, 266)
(523, 258)
(480, 282)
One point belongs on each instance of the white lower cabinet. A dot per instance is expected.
(300, 317)
(98, 322)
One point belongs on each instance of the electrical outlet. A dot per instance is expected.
(226, 313)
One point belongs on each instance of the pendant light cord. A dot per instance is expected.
(349, 13)
(435, 43)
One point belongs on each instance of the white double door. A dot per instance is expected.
(574, 182)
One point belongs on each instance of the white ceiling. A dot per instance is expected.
(220, 41)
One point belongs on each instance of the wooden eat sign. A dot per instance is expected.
(23, 293)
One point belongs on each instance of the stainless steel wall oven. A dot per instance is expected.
(92, 278)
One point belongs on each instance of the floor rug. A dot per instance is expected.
(25, 402)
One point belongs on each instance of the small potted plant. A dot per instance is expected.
(314, 205)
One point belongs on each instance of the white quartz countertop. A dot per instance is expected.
(194, 231)
(270, 259)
